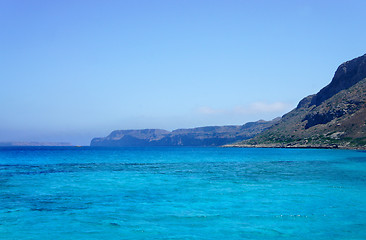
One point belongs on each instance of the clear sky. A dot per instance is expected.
(73, 70)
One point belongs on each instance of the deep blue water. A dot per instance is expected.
(182, 193)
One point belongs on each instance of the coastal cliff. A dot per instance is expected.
(201, 136)
(335, 117)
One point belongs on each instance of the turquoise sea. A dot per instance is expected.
(181, 193)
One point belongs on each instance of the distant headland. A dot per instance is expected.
(201, 136)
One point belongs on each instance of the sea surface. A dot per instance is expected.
(181, 193)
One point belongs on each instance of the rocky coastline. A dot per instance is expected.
(333, 118)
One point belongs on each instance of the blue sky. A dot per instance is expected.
(73, 70)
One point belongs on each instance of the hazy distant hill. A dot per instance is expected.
(34, 144)
(334, 117)
(202, 136)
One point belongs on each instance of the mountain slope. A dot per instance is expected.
(202, 136)
(334, 117)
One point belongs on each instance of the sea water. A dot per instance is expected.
(181, 193)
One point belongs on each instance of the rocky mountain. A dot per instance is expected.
(335, 117)
(202, 136)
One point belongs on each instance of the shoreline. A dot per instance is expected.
(300, 146)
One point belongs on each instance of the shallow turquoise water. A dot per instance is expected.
(182, 193)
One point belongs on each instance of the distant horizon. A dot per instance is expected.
(72, 71)
(46, 143)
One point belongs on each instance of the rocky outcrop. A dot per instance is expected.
(202, 136)
(325, 115)
(347, 75)
(335, 117)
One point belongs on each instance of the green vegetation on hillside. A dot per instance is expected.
(335, 117)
